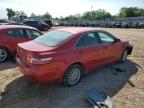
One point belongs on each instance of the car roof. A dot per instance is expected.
(14, 26)
(30, 21)
(76, 30)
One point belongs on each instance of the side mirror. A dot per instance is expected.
(117, 40)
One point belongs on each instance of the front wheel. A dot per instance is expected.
(73, 75)
(3, 54)
(124, 56)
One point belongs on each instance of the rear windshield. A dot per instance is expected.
(53, 38)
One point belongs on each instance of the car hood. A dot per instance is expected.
(123, 40)
(34, 47)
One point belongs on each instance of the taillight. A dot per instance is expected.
(40, 60)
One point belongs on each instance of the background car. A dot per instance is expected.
(3, 21)
(55, 23)
(11, 35)
(48, 22)
(64, 55)
(37, 24)
(141, 24)
(11, 23)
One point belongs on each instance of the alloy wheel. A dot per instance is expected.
(125, 54)
(3, 55)
(74, 76)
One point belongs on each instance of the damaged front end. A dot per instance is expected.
(130, 48)
(99, 99)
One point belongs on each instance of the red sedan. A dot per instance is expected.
(64, 55)
(11, 35)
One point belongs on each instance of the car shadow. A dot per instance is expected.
(9, 64)
(22, 93)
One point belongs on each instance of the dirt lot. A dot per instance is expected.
(125, 88)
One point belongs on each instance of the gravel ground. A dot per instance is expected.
(125, 88)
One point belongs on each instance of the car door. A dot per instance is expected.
(36, 24)
(90, 51)
(15, 36)
(111, 48)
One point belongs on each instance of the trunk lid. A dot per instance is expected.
(28, 50)
(34, 47)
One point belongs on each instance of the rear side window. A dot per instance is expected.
(79, 43)
(16, 33)
(32, 33)
(88, 39)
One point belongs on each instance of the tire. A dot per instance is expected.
(124, 56)
(46, 29)
(3, 54)
(73, 75)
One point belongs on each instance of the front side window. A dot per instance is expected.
(53, 38)
(105, 38)
(16, 33)
(88, 39)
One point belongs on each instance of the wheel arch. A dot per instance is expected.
(129, 49)
(65, 81)
(77, 63)
(6, 49)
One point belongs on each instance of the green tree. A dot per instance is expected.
(61, 18)
(33, 15)
(20, 13)
(47, 15)
(87, 15)
(98, 14)
(102, 14)
(72, 17)
(56, 18)
(10, 13)
(131, 12)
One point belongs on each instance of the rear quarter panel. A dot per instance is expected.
(2, 38)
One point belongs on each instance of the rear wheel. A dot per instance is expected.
(124, 56)
(73, 75)
(3, 54)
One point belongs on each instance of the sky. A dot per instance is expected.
(64, 8)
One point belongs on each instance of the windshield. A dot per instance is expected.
(53, 38)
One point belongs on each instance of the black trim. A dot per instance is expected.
(130, 48)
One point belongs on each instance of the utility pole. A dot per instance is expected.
(91, 2)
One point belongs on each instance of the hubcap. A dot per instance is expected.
(46, 28)
(74, 76)
(124, 55)
(3, 55)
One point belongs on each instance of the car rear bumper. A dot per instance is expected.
(40, 74)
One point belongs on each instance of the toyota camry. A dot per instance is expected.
(64, 55)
